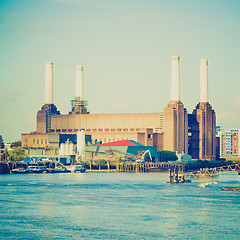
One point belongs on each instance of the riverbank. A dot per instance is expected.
(6, 168)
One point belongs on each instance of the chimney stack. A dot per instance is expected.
(203, 80)
(79, 82)
(175, 80)
(49, 83)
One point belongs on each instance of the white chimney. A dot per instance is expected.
(49, 83)
(175, 79)
(203, 80)
(81, 145)
(79, 82)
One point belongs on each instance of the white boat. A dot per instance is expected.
(37, 169)
(205, 184)
(76, 168)
(18, 171)
(58, 170)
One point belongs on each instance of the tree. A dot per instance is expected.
(5, 151)
(17, 144)
(166, 156)
(17, 154)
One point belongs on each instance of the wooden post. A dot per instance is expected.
(176, 169)
(170, 176)
(117, 167)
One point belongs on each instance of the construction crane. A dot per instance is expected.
(142, 160)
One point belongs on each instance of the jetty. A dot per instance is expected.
(211, 172)
(177, 175)
(150, 167)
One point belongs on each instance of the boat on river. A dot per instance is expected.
(230, 188)
(36, 169)
(80, 169)
(18, 171)
(205, 184)
(57, 170)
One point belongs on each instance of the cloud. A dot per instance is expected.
(236, 101)
(10, 97)
(227, 114)
(10, 16)
(31, 28)
(15, 22)
(78, 2)
(229, 119)
(121, 106)
(31, 120)
(3, 96)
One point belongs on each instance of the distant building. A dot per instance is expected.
(229, 142)
(50, 144)
(1, 142)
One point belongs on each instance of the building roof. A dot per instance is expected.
(127, 143)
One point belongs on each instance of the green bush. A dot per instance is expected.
(166, 156)
(16, 154)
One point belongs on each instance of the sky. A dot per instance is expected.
(125, 48)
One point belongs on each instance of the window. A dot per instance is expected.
(33, 141)
(37, 141)
(41, 141)
(45, 141)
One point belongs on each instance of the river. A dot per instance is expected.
(116, 206)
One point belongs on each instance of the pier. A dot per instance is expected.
(176, 175)
(149, 167)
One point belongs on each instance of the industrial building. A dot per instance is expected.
(173, 130)
(202, 142)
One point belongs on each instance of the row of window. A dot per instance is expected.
(38, 141)
(98, 130)
(107, 140)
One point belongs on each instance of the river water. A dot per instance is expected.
(117, 206)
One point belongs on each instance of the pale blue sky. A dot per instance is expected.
(125, 47)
